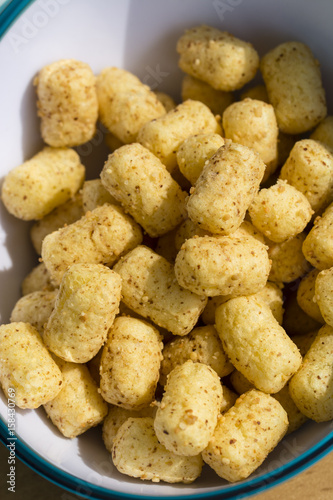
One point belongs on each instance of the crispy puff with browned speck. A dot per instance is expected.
(67, 103)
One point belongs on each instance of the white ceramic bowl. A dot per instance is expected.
(140, 36)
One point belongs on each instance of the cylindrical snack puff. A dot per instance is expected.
(37, 279)
(166, 100)
(318, 245)
(50, 178)
(245, 435)
(288, 261)
(226, 188)
(216, 100)
(94, 195)
(64, 214)
(271, 294)
(252, 123)
(312, 386)
(217, 57)
(324, 132)
(293, 81)
(324, 294)
(99, 237)
(164, 135)
(130, 363)
(27, 367)
(187, 415)
(222, 265)
(202, 345)
(194, 152)
(86, 306)
(137, 452)
(150, 288)
(145, 189)
(67, 103)
(309, 168)
(117, 416)
(34, 308)
(306, 296)
(125, 103)
(78, 406)
(256, 344)
(280, 212)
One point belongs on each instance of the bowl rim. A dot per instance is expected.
(236, 490)
(9, 11)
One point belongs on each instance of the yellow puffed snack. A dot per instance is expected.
(164, 135)
(295, 321)
(324, 132)
(295, 418)
(116, 417)
(26, 366)
(226, 188)
(252, 123)
(288, 261)
(258, 92)
(137, 452)
(125, 103)
(324, 294)
(130, 363)
(188, 229)
(166, 100)
(78, 406)
(37, 279)
(99, 237)
(312, 386)
(217, 57)
(86, 306)
(318, 245)
(34, 308)
(293, 81)
(50, 178)
(216, 100)
(94, 195)
(195, 151)
(309, 168)
(256, 344)
(67, 103)
(229, 398)
(306, 296)
(222, 265)
(145, 189)
(202, 345)
(271, 294)
(280, 212)
(186, 418)
(65, 214)
(245, 435)
(150, 288)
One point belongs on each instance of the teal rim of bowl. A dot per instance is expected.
(84, 489)
(235, 491)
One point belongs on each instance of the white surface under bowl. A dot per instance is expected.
(140, 36)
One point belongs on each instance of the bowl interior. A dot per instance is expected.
(141, 37)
